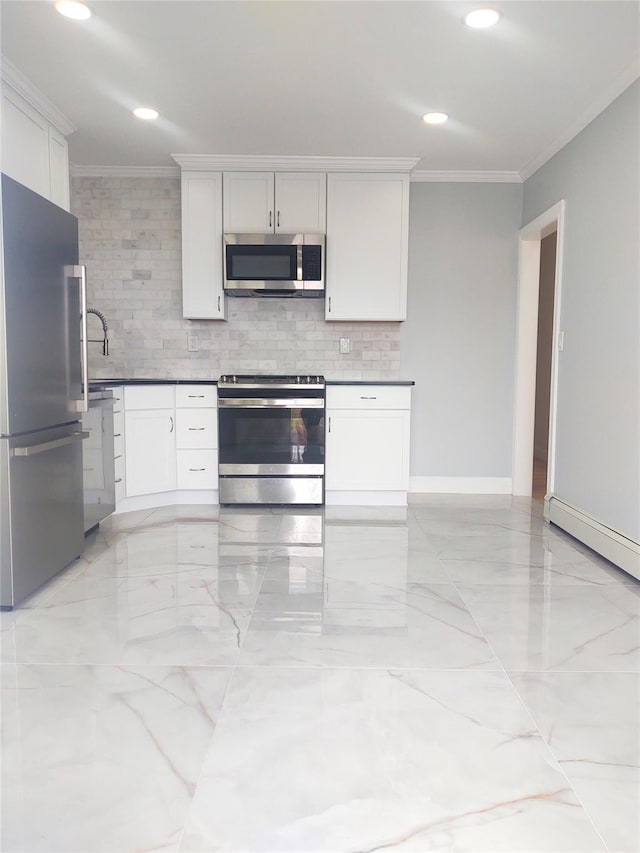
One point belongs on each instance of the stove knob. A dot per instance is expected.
(298, 379)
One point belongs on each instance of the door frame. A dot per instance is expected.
(529, 239)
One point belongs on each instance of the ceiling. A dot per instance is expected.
(326, 78)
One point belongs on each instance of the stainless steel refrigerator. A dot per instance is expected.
(43, 391)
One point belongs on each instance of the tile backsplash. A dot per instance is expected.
(130, 242)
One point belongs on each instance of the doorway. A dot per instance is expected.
(546, 291)
(538, 306)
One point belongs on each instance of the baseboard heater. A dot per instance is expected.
(610, 544)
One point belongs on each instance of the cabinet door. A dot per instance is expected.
(248, 202)
(150, 451)
(367, 246)
(25, 144)
(202, 293)
(367, 451)
(301, 202)
(58, 169)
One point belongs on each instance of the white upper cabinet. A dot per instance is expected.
(34, 152)
(202, 292)
(268, 202)
(300, 202)
(367, 246)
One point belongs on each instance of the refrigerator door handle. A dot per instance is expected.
(80, 271)
(48, 445)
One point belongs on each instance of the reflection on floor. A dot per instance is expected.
(458, 676)
(539, 479)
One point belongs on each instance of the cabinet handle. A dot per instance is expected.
(117, 434)
(195, 396)
(270, 218)
(278, 220)
(218, 304)
(197, 469)
(171, 419)
(196, 429)
(368, 398)
(329, 305)
(329, 424)
(119, 480)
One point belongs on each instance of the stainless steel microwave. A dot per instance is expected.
(274, 264)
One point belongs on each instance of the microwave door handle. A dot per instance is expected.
(299, 262)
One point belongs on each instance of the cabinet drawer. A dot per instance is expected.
(118, 399)
(149, 397)
(118, 444)
(120, 490)
(196, 428)
(369, 397)
(118, 423)
(197, 469)
(118, 467)
(196, 396)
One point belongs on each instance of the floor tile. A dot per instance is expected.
(325, 760)
(422, 625)
(180, 619)
(592, 723)
(112, 763)
(542, 628)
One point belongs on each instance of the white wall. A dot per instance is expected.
(458, 341)
(598, 407)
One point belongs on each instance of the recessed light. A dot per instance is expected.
(479, 19)
(146, 113)
(73, 9)
(435, 118)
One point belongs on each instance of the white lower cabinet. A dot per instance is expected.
(367, 444)
(118, 443)
(150, 451)
(169, 445)
(197, 437)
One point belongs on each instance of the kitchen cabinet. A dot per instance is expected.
(268, 202)
(202, 291)
(367, 444)
(34, 152)
(150, 441)
(196, 437)
(367, 246)
(118, 443)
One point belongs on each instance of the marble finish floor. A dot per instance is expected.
(458, 676)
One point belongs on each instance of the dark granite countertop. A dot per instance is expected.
(101, 383)
(370, 382)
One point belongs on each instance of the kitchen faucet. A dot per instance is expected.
(105, 328)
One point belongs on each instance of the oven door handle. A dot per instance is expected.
(271, 403)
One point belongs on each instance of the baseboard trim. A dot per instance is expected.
(160, 499)
(613, 546)
(358, 498)
(460, 485)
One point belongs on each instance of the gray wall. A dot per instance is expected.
(458, 341)
(598, 434)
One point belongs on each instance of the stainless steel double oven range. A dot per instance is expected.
(271, 439)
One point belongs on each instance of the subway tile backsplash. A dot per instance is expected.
(130, 242)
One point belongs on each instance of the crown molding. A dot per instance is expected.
(78, 171)
(260, 163)
(425, 176)
(606, 98)
(16, 80)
